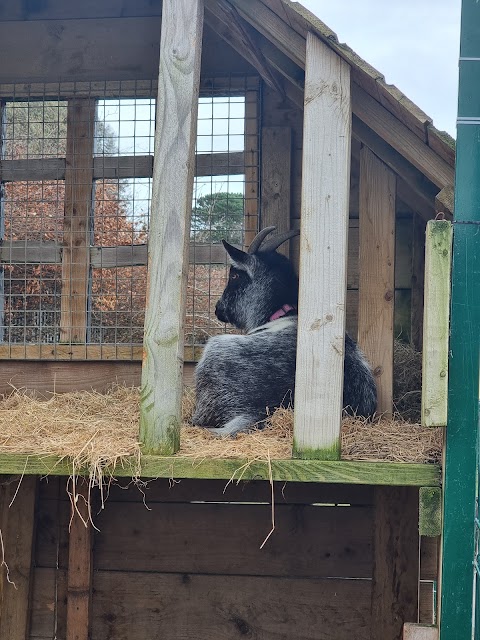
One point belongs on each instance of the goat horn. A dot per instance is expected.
(259, 238)
(275, 242)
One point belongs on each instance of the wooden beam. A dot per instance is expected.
(399, 136)
(80, 563)
(276, 172)
(172, 186)
(323, 254)
(430, 512)
(336, 472)
(251, 212)
(395, 564)
(445, 201)
(436, 323)
(414, 631)
(377, 272)
(17, 527)
(418, 281)
(77, 219)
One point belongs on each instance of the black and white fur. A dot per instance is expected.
(241, 377)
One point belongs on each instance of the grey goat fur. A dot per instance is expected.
(241, 377)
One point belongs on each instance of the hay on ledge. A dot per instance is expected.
(98, 431)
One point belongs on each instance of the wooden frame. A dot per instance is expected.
(323, 255)
(172, 186)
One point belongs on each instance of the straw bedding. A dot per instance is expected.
(99, 430)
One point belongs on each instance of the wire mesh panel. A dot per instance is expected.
(75, 205)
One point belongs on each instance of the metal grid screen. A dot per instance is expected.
(75, 203)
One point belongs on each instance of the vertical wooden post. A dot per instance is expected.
(418, 280)
(396, 561)
(436, 323)
(276, 173)
(80, 566)
(251, 164)
(377, 271)
(323, 253)
(172, 188)
(77, 220)
(2, 224)
(17, 524)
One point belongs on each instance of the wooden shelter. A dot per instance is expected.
(326, 145)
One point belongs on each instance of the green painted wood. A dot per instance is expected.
(436, 317)
(430, 511)
(463, 393)
(172, 187)
(336, 472)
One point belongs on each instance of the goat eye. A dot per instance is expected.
(234, 276)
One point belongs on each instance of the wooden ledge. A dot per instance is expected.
(341, 472)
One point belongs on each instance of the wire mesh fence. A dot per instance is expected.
(75, 205)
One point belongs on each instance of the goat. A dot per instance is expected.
(241, 377)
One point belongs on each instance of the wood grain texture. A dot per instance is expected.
(396, 566)
(251, 212)
(172, 185)
(80, 566)
(276, 172)
(332, 472)
(414, 631)
(343, 534)
(189, 607)
(17, 525)
(323, 254)
(436, 323)
(386, 125)
(418, 281)
(77, 220)
(377, 272)
(60, 10)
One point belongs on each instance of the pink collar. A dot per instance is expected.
(281, 312)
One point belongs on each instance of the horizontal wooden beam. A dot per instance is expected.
(117, 167)
(334, 472)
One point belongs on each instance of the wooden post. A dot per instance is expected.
(2, 224)
(396, 561)
(80, 565)
(172, 187)
(413, 631)
(436, 323)
(323, 253)
(276, 172)
(418, 281)
(77, 220)
(251, 165)
(17, 526)
(377, 271)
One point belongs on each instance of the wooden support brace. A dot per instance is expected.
(80, 564)
(395, 564)
(377, 271)
(172, 187)
(17, 527)
(323, 253)
(276, 172)
(77, 220)
(438, 262)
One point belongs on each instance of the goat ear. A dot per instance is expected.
(239, 258)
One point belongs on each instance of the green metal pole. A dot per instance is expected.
(462, 430)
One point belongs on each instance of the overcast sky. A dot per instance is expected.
(414, 43)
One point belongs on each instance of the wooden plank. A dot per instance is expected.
(414, 631)
(344, 535)
(32, 169)
(377, 272)
(48, 604)
(429, 548)
(418, 281)
(396, 553)
(172, 185)
(61, 10)
(17, 526)
(276, 171)
(251, 213)
(131, 605)
(428, 594)
(436, 323)
(70, 352)
(329, 471)
(77, 220)
(80, 565)
(430, 511)
(323, 254)
(30, 252)
(396, 134)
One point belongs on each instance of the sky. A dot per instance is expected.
(414, 43)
